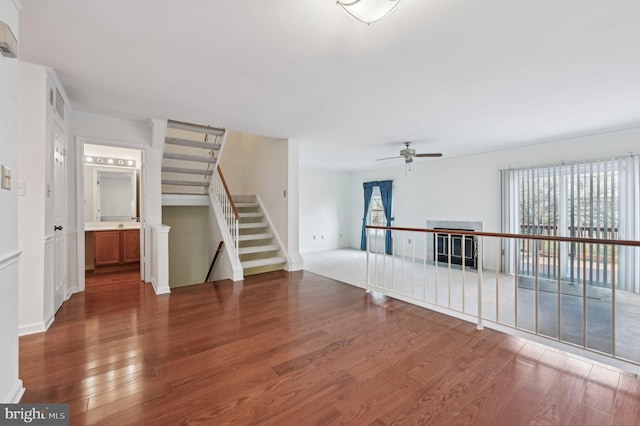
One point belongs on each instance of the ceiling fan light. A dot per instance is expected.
(368, 11)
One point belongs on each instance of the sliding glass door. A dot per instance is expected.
(596, 199)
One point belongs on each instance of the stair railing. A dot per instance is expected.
(220, 189)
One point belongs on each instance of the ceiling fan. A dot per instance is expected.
(408, 154)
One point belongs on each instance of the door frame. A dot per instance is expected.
(144, 234)
(60, 240)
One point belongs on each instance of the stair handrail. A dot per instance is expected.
(213, 262)
(220, 189)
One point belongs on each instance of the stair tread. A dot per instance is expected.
(201, 194)
(191, 143)
(250, 237)
(199, 128)
(186, 157)
(263, 262)
(184, 182)
(252, 225)
(258, 249)
(246, 205)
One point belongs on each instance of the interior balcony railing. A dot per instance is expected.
(600, 321)
(599, 258)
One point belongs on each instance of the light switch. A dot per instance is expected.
(6, 177)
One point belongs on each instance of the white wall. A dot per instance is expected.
(468, 188)
(10, 386)
(36, 123)
(32, 87)
(260, 165)
(254, 164)
(325, 209)
(189, 245)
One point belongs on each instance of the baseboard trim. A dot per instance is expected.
(159, 291)
(16, 393)
(296, 266)
(33, 328)
(48, 323)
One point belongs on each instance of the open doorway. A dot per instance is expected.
(111, 208)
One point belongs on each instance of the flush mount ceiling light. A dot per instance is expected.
(368, 11)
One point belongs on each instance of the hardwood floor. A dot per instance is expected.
(291, 349)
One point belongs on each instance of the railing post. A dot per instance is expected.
(480, 326)
(235, 237)
(613, 301)
(366, 288)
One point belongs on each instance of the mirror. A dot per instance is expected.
(116, 201)
(110, 194)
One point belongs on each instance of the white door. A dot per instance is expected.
(59, 234)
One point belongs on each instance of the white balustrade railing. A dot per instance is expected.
(219, 189)
(567, 309)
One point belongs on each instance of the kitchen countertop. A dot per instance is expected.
(110, 226)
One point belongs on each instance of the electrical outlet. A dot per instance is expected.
(6, 177)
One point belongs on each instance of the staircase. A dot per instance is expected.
(189, 178)
(189, 159)
(258, 249)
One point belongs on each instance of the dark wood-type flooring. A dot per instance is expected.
(294, 349)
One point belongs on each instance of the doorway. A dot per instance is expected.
(111, 210)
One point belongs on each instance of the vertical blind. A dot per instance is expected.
(592, 199)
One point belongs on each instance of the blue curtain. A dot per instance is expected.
(386, 191)
(368, 190)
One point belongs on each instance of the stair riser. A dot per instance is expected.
(268, 248)
(263, 262)
(253, 227)
(256, 256)
(183, 190)
(262, 270)
(243, 198)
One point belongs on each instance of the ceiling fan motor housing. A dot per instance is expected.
(408, 153)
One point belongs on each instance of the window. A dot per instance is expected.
(377, 199)
(592, 199)
(376, 210)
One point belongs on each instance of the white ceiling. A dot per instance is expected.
(456, 76)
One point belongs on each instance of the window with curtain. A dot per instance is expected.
(592, 199)
(378, 198)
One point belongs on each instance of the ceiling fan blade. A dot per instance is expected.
(390, 158)
(434, 154)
